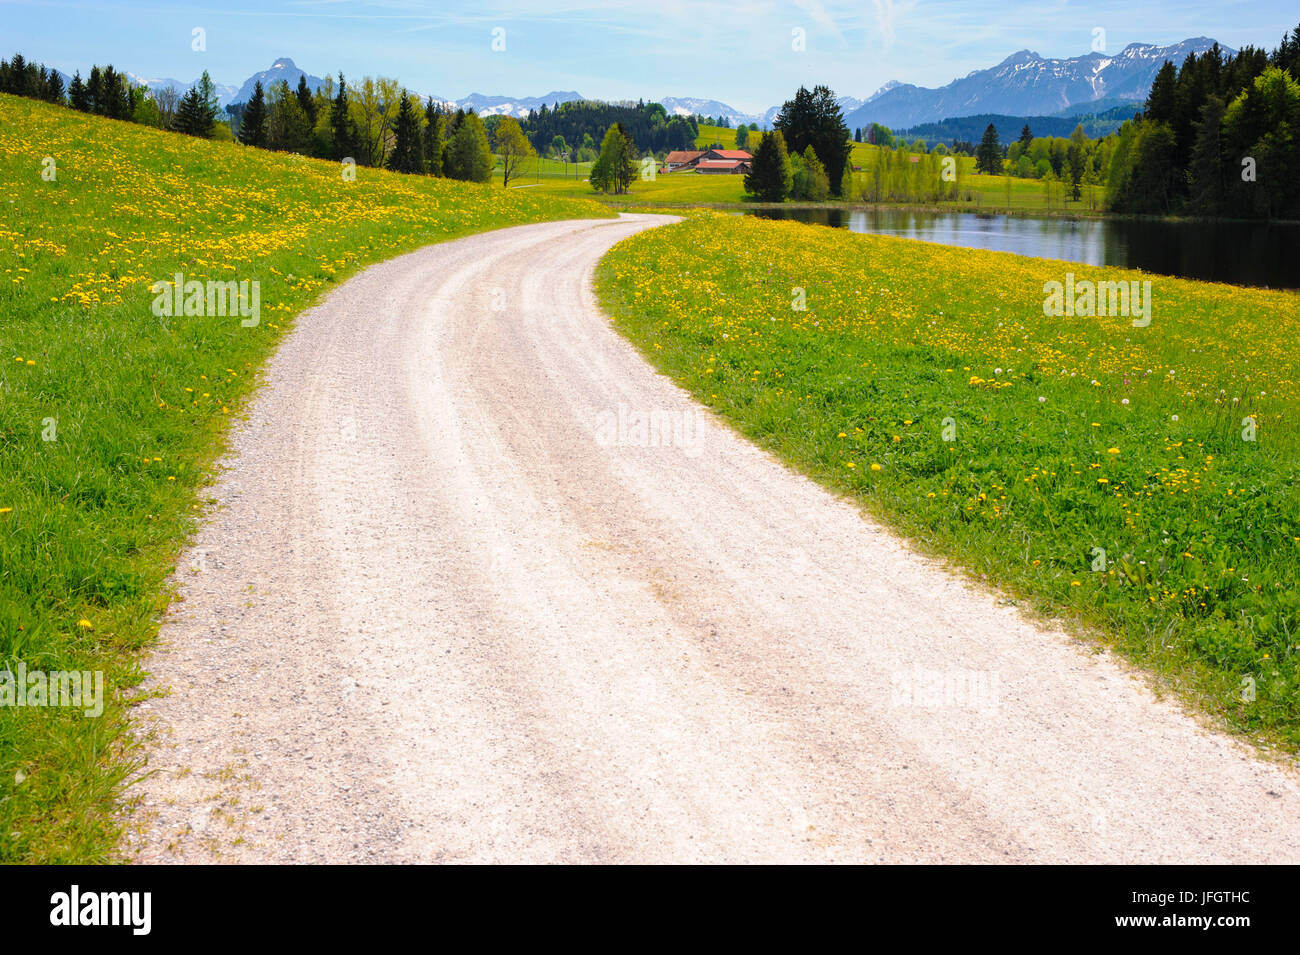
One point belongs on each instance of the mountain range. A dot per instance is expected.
(1027, 84)
(1024, 84)
(225, 91)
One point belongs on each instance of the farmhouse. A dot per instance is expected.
(727, 155)
(682, 159)
(724, 161)
(724, 166)
(708, 160)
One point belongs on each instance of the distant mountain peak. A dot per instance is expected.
(892, 84)
(1028, 84)
(1020, 56)
(283, 69)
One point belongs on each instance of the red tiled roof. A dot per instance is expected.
(731, 154)
(678, 156)
(718, 163)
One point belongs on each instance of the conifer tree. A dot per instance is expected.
(407, 155)
(435, 126)
(306, 100)
(94, 90)
(252, 127)
(345, 133)
(54, 87)
(770, 178)
(468, 156)
(197, 113)
(77, 96)
(988, 157)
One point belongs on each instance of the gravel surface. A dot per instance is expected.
(461, 604)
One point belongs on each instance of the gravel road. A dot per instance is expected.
(484, 587)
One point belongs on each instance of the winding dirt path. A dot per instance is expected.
(459, 605)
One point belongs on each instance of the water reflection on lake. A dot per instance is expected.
(1241, 253)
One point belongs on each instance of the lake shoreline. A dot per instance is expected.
(937, 209)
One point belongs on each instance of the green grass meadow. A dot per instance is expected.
(111, 417)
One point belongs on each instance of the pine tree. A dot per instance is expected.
(78, 98)
(54, 88)
(407, 149)
(770, 178)
(1076, 157)
(435, 125)
(306, 101)
(988, 157)
(252, 126)
(1161, 99)
(197, 113)
(345, 133)
(468, 156)
(95, 91)
(114, 100)
(287, 128)
(1026, 138)
(188, 113)
(1207, 167)
(17, 84)
(813, 118)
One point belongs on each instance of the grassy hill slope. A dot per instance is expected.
(111, 416)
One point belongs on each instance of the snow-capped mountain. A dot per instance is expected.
(225, 92)
(692, 106)
(516, 106)
(882, 91)
(282, 69)
(1026, 84)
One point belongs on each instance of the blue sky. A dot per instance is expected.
(740, 52)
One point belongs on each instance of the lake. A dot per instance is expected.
(1240, 253)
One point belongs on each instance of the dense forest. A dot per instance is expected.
(969, 128)
(579, 124)
(1219, 136)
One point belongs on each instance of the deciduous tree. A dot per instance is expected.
(513, 148)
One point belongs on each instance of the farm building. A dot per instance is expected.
(723, 166)
(728, 155)
(682, 159)
(708, 160)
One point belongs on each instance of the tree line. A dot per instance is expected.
(1218, 135)
(806, 154)
(376, 123)
(579, 124)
